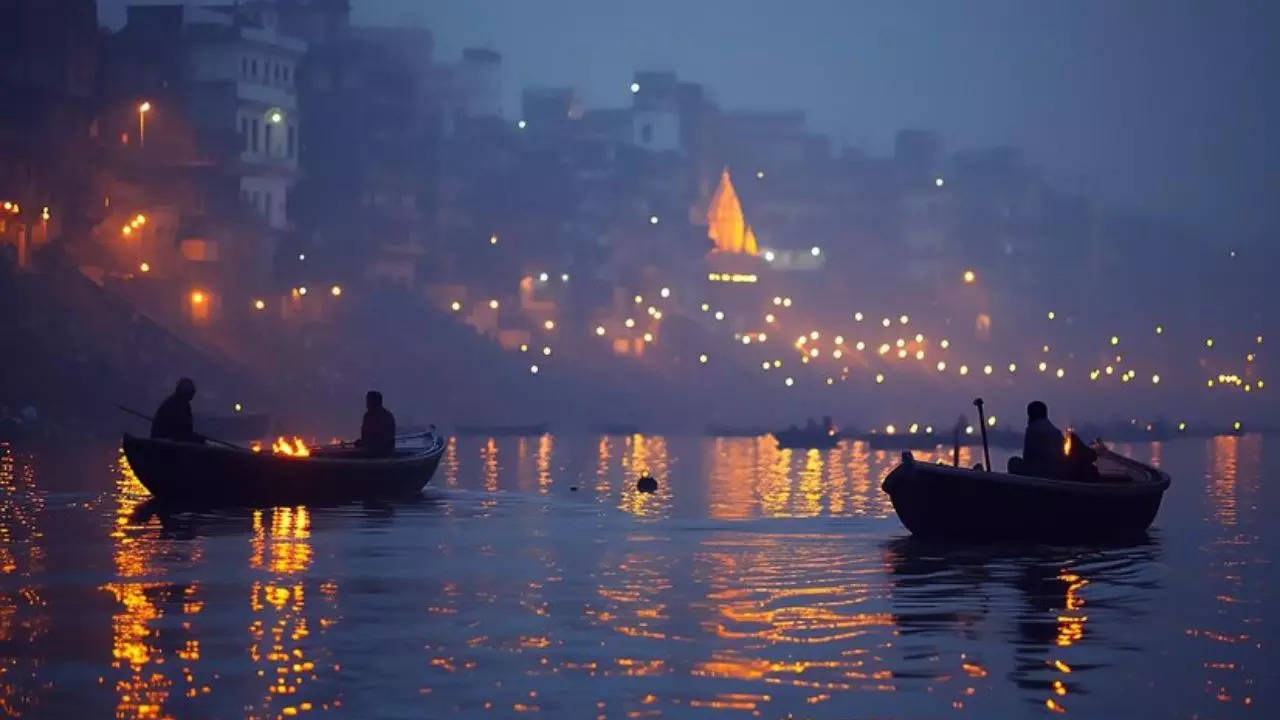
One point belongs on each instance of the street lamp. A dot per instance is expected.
(143, 108)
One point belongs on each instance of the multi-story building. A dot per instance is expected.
(234, 74)
(48, 69)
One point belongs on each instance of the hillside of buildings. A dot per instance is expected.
(296, 209)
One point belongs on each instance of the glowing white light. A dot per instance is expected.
(904, 319)
(789, 382)
(635, 87)
(815, 251)
(493, 304)
(938, 182)
(857, 317)
(861, 345)
(702, 358)
(769, 256)
(599, 330)
(522, 125)
(944, 344)
(533, 369)
(543, 277)
(665, 292)
(719, 314)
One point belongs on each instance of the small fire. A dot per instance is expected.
(1066, 446)
(294, 448)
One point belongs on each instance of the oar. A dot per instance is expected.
(148, 418)
(982, 423)
(408, 436)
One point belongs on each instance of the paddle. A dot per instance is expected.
(982, 423)
(407, 436)
(148, 418)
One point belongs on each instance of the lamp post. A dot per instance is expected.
(143, 108)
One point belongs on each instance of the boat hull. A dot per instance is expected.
(186, 473)
(945, 502)
(801, 439)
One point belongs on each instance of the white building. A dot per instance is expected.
(241, 79)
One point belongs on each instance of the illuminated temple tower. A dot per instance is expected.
(726, 225)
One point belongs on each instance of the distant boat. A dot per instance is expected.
(190, 473)
(950, 502)
(503, 430)
(736, 430)
(241, 426)
(799, 438)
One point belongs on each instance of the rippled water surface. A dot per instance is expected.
(756, 582)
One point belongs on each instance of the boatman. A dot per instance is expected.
(173, 419)
(378, 430)
(1042, 446)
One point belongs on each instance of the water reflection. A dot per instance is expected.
(24, 613)
(757, 581)
(943, 593)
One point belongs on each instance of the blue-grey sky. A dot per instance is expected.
(1171, 105)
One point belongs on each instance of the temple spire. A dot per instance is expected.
(726, 225)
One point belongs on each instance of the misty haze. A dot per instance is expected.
(422, 358)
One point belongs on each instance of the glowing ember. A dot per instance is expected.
(292, 448)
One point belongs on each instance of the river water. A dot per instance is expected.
(754, 583)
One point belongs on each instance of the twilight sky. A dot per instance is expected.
(1166, 104)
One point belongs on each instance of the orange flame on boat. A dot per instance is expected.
(292, 448)
(1066, 445)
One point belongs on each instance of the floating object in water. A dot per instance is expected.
(646, 484)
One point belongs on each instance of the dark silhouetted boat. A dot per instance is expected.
(948, 502)
(736, 430)
(503, 430)
(806, 439)
(189, 473)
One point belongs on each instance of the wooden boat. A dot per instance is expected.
(944, 501)
(806, 439)
(187, 473)
(736, 431)
(503, 430)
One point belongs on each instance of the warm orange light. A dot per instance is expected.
(126, 230)
(970, 276)
(144, 107)
(335, 291)
(144, 267)
(140, 219)
(197, 297)
(259, 304)
(296, 448)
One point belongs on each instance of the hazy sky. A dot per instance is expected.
(1165, 103)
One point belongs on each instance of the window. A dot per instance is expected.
(266, 204)
(293, 141)
(254, 65)
(255, 135)
(244, 67)
(286, 74)
(277, 71)
(268, 148)
(244, 132)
